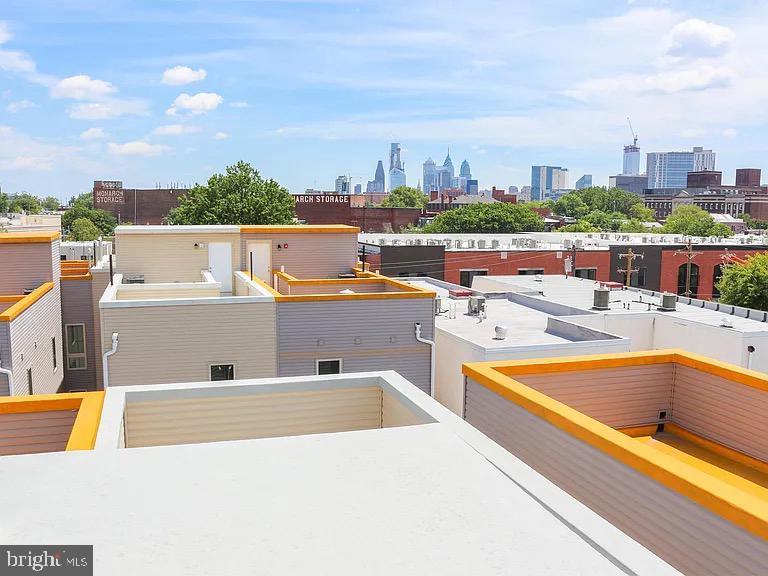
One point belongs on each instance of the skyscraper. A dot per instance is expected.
(342, 185)
(670, 169)
(545, 179)
(430, 176)
(396, 168)
(464, 171)
(584, 182)
(448, 164)
(377, 185)
(631, 165)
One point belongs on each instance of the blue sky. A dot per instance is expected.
(169, 91)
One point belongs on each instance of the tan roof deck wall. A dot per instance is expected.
(28, 262)
(168, 256)
(162, 344)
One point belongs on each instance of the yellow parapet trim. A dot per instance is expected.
(260, 282)
(360, 296)
(86, 276)
(88, 406)
(301, 229)
(742, 508)
(405, 290)
(28, 237)
(14, 298)
(13, 311)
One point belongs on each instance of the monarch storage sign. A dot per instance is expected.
(108, 192)
(321, 198)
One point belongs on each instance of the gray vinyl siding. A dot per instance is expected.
(730, 413)
(622, 396)
(77, 308)
(26, 266)
(686, 535)
(5, 357)
(174, 343)
(308, 255)
(98, 285)
(368, 335)
(34, 432)
(30, 336)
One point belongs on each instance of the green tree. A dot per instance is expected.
(102, 219)
(570, 205)
(744, 284)
(752, 223)
(405, 197)
(580, 226)
(51, 203)
(633, 225)
(640, 212)
(83, 230)
(495, 218)
(693, 221)
(241, 196)
(4, 203)
(25, 202)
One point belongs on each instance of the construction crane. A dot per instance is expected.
(632, 130)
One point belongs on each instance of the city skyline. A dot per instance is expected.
(108, 93)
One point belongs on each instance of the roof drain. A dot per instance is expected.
(431, 358)
(107, 354)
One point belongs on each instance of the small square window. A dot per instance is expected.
(329, 366)
(222, 372)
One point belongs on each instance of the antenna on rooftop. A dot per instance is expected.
(632, 130)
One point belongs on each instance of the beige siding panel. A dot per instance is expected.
(308, 255)
(196, 420)
(165, 344)
(26, 266)
(368, 335)
(77, 308)
(5, 357)
(169, 257)
(732, 414)
(33, 432)
(360, 288)
(30, 334)
(394, 413)
(626, 396)
(686, 535)
(100, 280)
(150, 293)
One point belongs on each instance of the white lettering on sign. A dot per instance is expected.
(109, 197)
(321, 198)
(108, 185)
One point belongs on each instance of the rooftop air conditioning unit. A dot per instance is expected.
(567, 243)
(481, 244)
(470, 243)
(458, 243)
(382, 242)
(494, 243)
(602, 299)
(134, 279)
(438, 305)
(409, 242)
(668, 302)
(579, 243)
(476, 305)
(419, 242)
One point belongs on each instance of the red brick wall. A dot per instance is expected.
(546, 259)
(706, 260)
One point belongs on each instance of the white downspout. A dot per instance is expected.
(9, 375)
(107, 354)
(431, 358)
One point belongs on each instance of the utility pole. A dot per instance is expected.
(690, 255)
(630, 257)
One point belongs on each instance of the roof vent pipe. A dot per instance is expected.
(601, 299)
(501, 332)
(431, 343)
(107, 354)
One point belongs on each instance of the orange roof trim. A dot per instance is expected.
(301, 229)
(28, 237)
(12, 312)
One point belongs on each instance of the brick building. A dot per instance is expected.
(349, 209)
(134, 205)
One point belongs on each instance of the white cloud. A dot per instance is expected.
(180, 75)
(19, 151)
(694, 38)
(13, 61)
(220, 136)
(200, 103)
(93, 134)
(137, 148)
(175, 130)
(238, 104)
(108, 109)
(19, 105)
(82, 87)
(5, 33)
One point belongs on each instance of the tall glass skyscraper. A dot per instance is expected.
(545, 179)
(396, 168)
(670, 169)
(378, 184)
(464, 171)
(430, 176)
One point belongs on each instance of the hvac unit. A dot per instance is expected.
(567, 243)
(409, 242)
(481, 244)
(458, 244)
(494, 243)
(438, 306)
(602, 299)
(476, 305)
(382, 242)
(470, 243)
(134, 279)
(668, 302)
(579, 243)
(419, 242)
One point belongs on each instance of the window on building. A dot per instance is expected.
(682, 276)
(75, 346)
(637, 279)
(588, 273)
(529, 271)
(716, 275)
(222, 372)
(465, 276)
(55, 359)
(332, 366)
(29, 381)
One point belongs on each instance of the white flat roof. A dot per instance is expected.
(178, 229)
(579, 293)
(436, 498)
